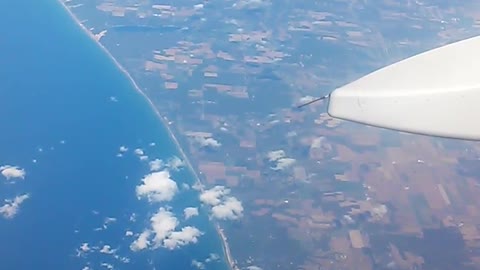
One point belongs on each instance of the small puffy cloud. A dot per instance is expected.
(379, 211)
(214, 195)
(223, 205)
(156, 165)
(84, 248)
(251, 4)
(10, 208)
(207, 142)
(284, 163)
(212, 257)
(109, 220)
(107, 265)
(157, 187)
(183, 237)
(175, 163)
(202, 265)
(306, 99)
(163, 224)
(163, 234)
(121, 258)
(11, 172)
(198, 186)
(279, 157)
(141, 242)
(317, 142)
(231, 208)
(139, 152)
(107, 249)
(190, 212)
(276, 155)
(198, 265)
(253, 267)
(123, 149)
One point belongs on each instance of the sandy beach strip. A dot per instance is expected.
(226, 247)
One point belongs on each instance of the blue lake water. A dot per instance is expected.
(60, 124)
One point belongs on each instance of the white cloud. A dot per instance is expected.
(163, 224)
(198, 186)
(10, 208)
(121, 258)
(84, 248)
(231, 208)
(223, 206)
(214, 195)
(317, 142)
(107, 265)
(306, 99)
(203, 142)
(107, 249)
(128, 233)
(279, 157)
(123, 149)
(109, 220)
(284, 163)
(184, 237)
(10, 172)
(141, 154)
(141, 242)
(190, 212)
(253, 267)
(157, 186)
(212, 257)
(156, 165)
(251, 4)
(198, 265)
(276, 155)
(163, 234)
(379, 211)
(175, 163)
(106, 222)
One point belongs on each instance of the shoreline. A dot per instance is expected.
(225, 246)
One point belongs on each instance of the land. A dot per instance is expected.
(224, 76)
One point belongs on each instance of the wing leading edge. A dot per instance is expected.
(434, 93)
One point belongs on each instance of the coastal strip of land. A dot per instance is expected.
(164, 120)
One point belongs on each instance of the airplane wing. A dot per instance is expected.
(434, 93)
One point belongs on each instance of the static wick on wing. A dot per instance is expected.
(313, 101)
